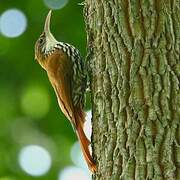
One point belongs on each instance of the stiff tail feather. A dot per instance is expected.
(84, 142)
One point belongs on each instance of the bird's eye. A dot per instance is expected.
(41, 40)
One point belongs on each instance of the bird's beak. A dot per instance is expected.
(47, 23)
(47, 30)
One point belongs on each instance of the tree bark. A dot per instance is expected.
(134, 68)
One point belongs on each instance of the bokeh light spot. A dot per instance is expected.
(77, 156)
(35, 101)
(87, 124)
(12, 23)
(55, 4)
(73, 172)
(35, 160)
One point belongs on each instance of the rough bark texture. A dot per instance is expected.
(134, 63)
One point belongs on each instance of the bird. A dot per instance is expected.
(67, 74)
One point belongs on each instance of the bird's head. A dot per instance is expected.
(46, 42)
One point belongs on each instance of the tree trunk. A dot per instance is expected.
(134, 66)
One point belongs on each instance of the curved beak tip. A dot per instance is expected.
(47, 22)
(50, 12)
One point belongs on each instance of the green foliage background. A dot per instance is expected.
(29, 113)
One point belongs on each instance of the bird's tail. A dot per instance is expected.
(84, 142)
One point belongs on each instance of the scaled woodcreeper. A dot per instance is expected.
(66, 72)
